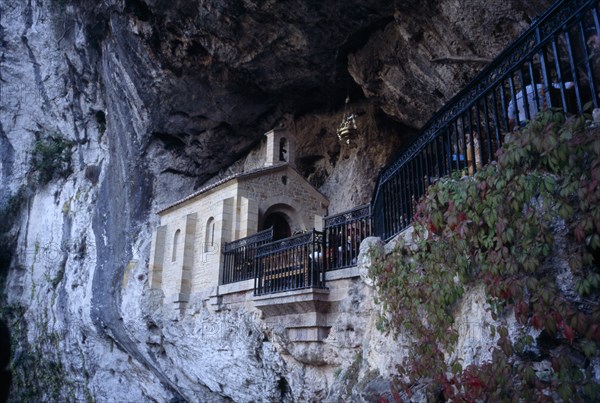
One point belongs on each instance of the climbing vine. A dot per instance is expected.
(506, 228)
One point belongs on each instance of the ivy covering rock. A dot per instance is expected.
(507, 228)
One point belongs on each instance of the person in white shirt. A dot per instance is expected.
(532, 102)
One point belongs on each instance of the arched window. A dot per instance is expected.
(175, 244)
(209, 236)
(283, 149)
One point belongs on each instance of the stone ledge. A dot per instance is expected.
(240, 286)
(293, 302)
(307, 319)
(301, 294)
(215, 300)
(340, 274)
(178, 297)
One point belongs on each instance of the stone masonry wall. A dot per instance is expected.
(289, 188)
(218, 204)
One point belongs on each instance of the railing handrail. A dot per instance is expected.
(262, 236)
(355, 213)
(344, 233)
(238, 256)
(478, 85)
(287, 243)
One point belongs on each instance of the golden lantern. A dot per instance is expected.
(347, 128)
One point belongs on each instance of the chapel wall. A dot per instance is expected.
(286, 187)
(192, 262)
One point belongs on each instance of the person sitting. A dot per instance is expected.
(534, 94)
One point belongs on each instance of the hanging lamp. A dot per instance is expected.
(347, 128)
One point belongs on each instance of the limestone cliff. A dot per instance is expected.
(111, 109)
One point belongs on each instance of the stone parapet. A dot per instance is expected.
(293, 302)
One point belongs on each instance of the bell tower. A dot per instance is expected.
(280, 148)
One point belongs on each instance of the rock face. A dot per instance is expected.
(150, 99)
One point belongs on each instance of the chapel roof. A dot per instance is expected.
(239, 175)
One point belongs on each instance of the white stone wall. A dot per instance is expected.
(157, 257)
(203, 256)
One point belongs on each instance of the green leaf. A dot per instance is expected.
(589, 348)
(529, 375)
(565, 391)
(457, 368)
(549, 184)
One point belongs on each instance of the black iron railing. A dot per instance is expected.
(291, 264)
(344, 233)
(239, 257)
(554, 64)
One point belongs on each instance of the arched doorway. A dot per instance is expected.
(279, 222)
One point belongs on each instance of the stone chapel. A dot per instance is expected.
(186, 257)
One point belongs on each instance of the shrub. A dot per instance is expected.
(51, 157)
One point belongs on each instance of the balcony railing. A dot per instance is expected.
(554, 64)
(291, 264)
(239, 257)
(344, 233)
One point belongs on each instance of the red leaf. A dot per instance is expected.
(579, 232)
(569, 333)
(432, 227)
(537, 321)
(557, 317)
(395, 394)
(521, 310)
